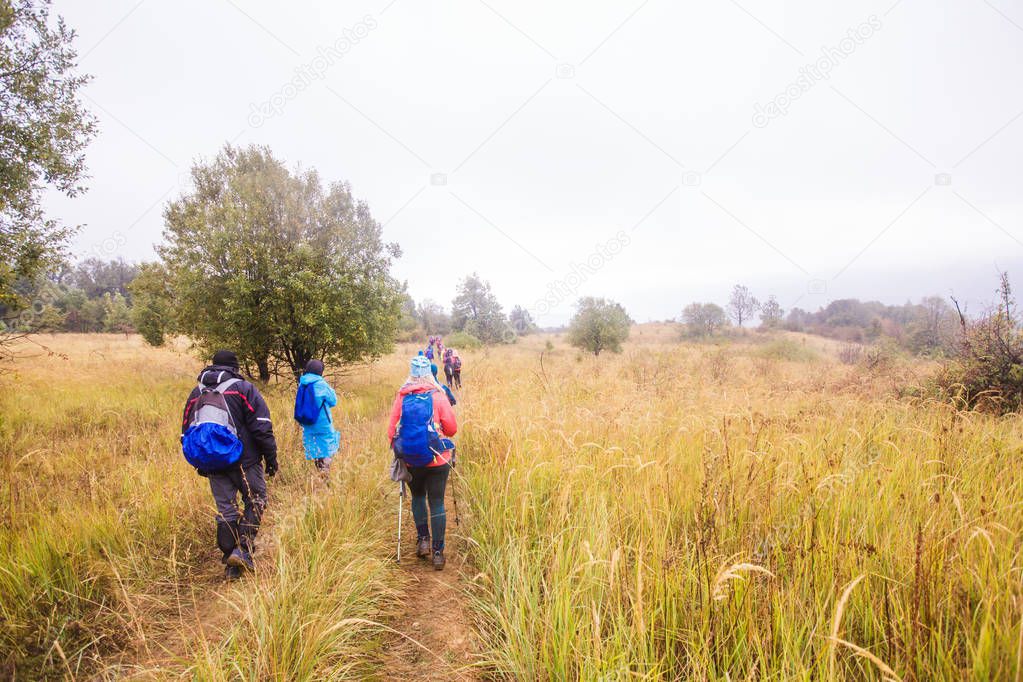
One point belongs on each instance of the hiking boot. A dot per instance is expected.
(438, 561)
(232, 573)
(423, 548)
(241, 560)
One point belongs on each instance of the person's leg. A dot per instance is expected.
(323, 464)
(436, 483)
(225, 495)
(253, 489)
(417, 487)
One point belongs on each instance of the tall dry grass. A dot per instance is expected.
(677, 512)
(687, 513)
(107, 560)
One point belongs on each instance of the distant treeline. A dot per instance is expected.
(927, 327)
(92, 296)
(95, 295)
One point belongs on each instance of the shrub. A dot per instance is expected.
(986, 368)
(786, 349)
(462, 340)
(850, 354)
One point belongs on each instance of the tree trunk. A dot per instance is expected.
(263, 366)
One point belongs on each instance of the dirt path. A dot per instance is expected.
(435, 616)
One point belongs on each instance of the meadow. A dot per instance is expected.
(680, 511)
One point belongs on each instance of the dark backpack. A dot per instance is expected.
(307, 410)
(211, 441)
(417, 441)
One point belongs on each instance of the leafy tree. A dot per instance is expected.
(408, 323)
(277, 267)
(742, 305)
(50, 319)
(97, 277)
(116, 314)
(433, 318)
(599, 325)
(152, 309)
(43, 134)
(521, 321)
(704, 319)
(476, 311)
(771, 314)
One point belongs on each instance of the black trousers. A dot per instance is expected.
(238, 528)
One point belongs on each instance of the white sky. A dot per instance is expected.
(650, 115)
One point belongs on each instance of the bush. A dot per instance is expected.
(986, 368)
(462, 340)
(850, 354)
(786, 349)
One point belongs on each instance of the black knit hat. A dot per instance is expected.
(314, 367)
(225, 358)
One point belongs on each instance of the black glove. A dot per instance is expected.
(203, 473)
(271, 467)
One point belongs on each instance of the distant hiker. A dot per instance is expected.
(313, 401)
(413, 433)
(449, 368)
(226, 434)
(429, 352)
(447, 391)
(456, 368)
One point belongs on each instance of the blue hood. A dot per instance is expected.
(309, 379)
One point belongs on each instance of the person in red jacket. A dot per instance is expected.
(428, 482)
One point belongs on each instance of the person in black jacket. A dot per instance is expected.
(236, 533)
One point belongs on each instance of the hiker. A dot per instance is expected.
(227, 435)
(313, 401)
(449, 369)
(456, 368)
(429, 352)
(447, 391)
(413, 434)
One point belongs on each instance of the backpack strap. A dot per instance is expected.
(223, 386)
(219, 388)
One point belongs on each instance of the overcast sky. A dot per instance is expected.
(812, 150)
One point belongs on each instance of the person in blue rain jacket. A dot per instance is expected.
(321, 439)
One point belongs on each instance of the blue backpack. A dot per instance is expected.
(211, 441)
(307, 409)
(417, 441)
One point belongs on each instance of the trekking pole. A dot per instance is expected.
(401, 503)
(454, 498)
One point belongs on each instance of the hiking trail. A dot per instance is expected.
(436, 635)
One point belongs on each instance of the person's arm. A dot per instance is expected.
(392, 425)
(327, 394)
(444, 414)
(257, 421)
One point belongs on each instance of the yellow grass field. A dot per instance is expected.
(734, 512)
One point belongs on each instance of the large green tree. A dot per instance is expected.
(44, 130)
(522, 321)
(476, 311)
(599, 325)
(278, 268)
(152, 309)
(704, 319)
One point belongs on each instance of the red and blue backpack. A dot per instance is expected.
(417, 442)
